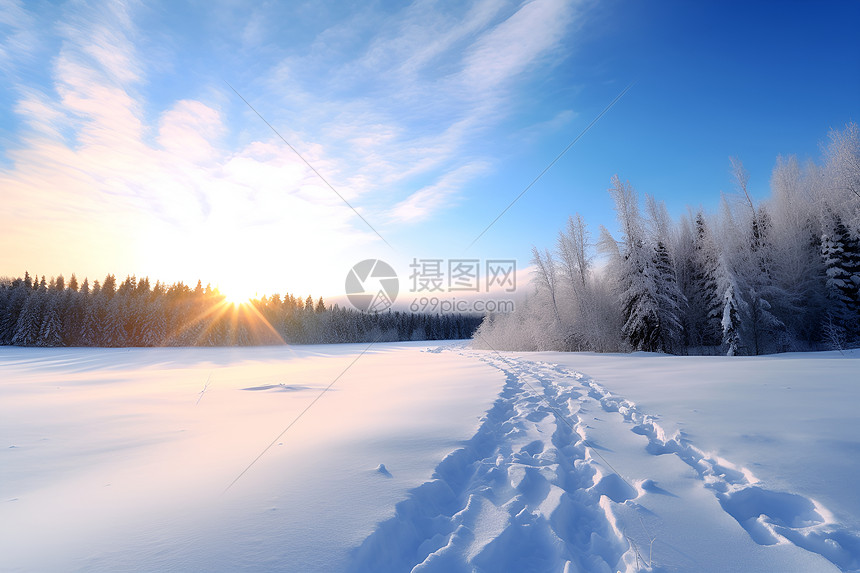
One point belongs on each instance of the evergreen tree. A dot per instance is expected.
(705, 301)
(108, 288)
(840, 253)
(636, 275)
(669, 300)
(50, 331)
(16, 298)
(29, 321)
(731, 321)
(90, 332)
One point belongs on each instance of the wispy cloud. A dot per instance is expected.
(440, 195)
(18, 37)
(428, 83)
(389, 114)
(95, 177)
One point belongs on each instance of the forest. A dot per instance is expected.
(137, 313)
(758, 277)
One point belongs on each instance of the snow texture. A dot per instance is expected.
(118, 460)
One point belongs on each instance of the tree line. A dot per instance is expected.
(137, 313)
(777, 275)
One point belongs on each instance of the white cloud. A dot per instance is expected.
(100, 170)
(514, 46)
(442, 194)
(96, 185)
(189, 130)
(100, 35)
(18, 39)
(427, 84)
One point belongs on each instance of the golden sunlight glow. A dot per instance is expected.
(236, 294)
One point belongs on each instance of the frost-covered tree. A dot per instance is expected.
(705, 308)
(671, 303)
(731, 319)
(761, 276)
(795, 266)
(546, 277)
(749, 258)
(841, 188)
(669, 300)
(16, 297)
(840, 254)
(50, 331)
(635, 274)
(29, 321)
(589, 315)
(575, 261)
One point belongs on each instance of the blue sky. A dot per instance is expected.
(122, 148)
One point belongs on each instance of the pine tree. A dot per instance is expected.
(840, 253)
(705, 300)
(639, 305)
(50, 331)
(16, 299)
(90, 331)
(29, 321)
(636, 275)
(731, 322)
(72, 316)
(108, 288)
(669, 300)
(113, 327)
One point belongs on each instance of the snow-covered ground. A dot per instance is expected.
(426, 457)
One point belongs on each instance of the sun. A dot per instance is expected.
(236, 294)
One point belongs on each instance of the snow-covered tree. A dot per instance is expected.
(671, 303)
(840, 254)
(636, 275)
(50, 331)
(546, 277)
(763, 276)
(29, 321)
(705, 301)
(731, 319)
(795, 267)
(842, 175)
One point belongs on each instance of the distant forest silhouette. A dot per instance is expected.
(136, 313)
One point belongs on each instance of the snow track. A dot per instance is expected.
(769, 516)
(523, 494)
(530, 491)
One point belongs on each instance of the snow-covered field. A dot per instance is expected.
(426, 457)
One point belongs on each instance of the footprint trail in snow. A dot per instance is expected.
(531, 491)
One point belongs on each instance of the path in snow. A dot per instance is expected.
(523, 494)
(769, 516)
(531, 491)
